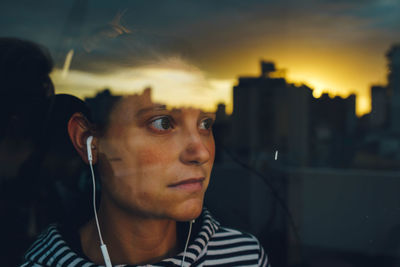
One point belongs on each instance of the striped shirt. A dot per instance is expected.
(213, 245)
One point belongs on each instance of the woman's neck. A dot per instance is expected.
(129, 239)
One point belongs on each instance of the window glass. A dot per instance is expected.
(290, 108)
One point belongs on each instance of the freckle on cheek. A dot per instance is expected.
(149, 157)
(144, 196)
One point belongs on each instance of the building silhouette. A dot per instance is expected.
(393, 57)
(333, 123)
(379, 107)
(270, 114)
(379, 131)
(101, 105)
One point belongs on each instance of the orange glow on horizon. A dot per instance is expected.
(339, 69)
(333, 88)
(85, 84)
(338, 72)
(175, 87)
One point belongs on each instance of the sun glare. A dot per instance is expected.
(175, 87)
(322, 84)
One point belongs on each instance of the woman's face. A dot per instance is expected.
(156, 162)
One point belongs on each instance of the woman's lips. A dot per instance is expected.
(190, 185)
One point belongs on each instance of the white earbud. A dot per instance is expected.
(89, 147)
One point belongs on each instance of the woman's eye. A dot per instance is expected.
(206, 124)
(161, 124)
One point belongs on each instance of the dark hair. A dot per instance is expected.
(24, 69)
(25, 87)
(25, 91)
(54, 171)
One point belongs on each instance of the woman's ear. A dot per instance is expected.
(79, 129)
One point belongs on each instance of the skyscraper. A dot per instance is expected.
(394, 87)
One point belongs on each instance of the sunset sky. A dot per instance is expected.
(196, 50)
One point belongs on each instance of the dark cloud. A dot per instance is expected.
(204, 32)
(127, 51)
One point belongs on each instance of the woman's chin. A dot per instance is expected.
(188, 211)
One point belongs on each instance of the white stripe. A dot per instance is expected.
(230, 241)
(207, 221)
(41, 242)
(232, 250)
(203, 235)
(50, 250)
(65, 258)
(175, 261)
(190, 255)
(61, 250)
(195, 247)
(264, 259)
(231, 259)
(228, 232)
(203, 253)
(225, 234)
(76, 261)
(46, 245)
(207, 229)
(265, 264)
(29, 262)
(45, 239)
(261, 256)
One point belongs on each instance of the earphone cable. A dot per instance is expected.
(187, 243)
(94, 203)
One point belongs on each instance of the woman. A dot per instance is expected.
(154, 165)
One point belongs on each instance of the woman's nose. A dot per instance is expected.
(195, 151)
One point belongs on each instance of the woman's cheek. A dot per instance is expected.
(150, 152)
(211, 148)
(149, 156)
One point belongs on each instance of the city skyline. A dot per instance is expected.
(152, 76)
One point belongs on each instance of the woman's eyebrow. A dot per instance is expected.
(152, 108)
(209, 114)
